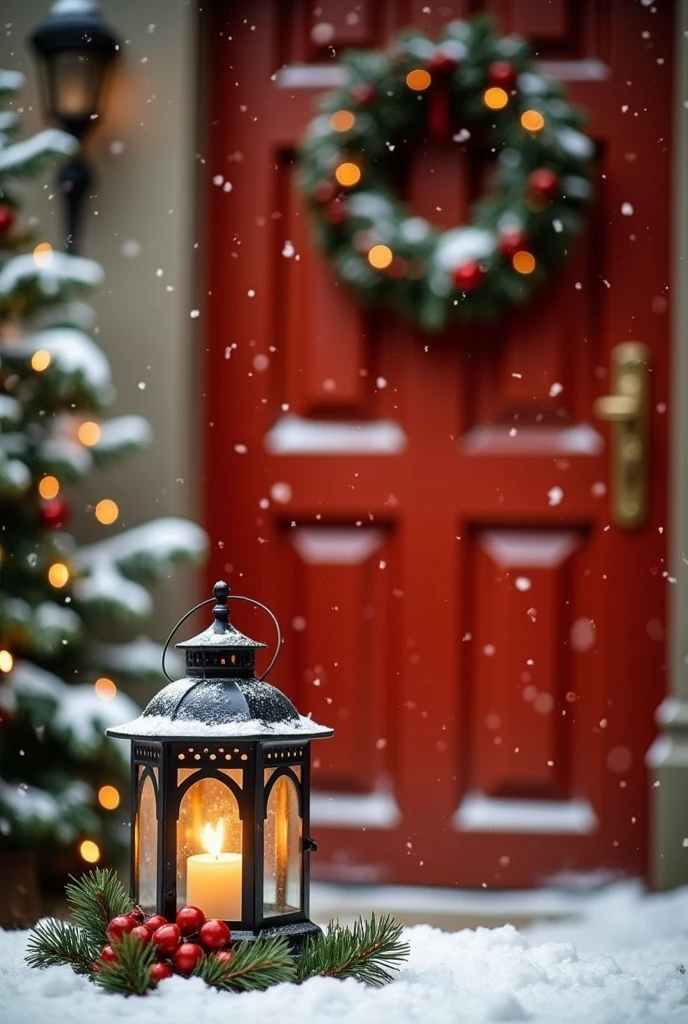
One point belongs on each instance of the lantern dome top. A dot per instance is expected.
(220, 696)
(222, 633)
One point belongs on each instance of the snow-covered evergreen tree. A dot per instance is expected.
(59, 675)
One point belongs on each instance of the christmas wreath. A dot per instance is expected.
(471, 87)
(114, 944)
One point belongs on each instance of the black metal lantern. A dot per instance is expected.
(76, 47)
(221, 790)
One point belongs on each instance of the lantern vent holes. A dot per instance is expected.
(285, 754)
(210, 755)
(146, 753)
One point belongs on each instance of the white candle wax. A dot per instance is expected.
(214, 884)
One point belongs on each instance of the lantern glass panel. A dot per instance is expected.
(209, 845)
(72, 85)
(146, 840)
(282, 847)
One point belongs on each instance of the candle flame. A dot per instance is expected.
(212, 838)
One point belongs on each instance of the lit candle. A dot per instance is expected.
(213, 879)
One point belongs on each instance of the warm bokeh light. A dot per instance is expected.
(58, 574)
(107, 511)
(6, 661)
(380, 256)
(43, 254)
(523, 262)
(342, 121)
(495, 98)
(49, 487)
(108, 797)
(89, 433)
(105, 688)
(90, 851)
(532, 120)
(418, 80)
(40, 360)
(348, 174)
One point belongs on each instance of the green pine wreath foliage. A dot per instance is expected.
(516, 233)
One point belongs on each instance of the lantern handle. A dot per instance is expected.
(231, 597)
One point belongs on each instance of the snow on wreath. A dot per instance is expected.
(470, 87)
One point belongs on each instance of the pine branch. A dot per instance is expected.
(55, 942)
(129, 974)
(95, 899)
(368, 952)
(254, 965)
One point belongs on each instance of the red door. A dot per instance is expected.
(430, 517)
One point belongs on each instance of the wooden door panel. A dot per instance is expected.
(521, 676)
(429, 514)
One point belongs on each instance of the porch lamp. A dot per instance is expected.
(75, 47)
(220, 789)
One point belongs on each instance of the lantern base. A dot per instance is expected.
(297, 934)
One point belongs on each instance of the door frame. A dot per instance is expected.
(667, 758)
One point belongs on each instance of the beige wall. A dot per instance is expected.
(140, 219)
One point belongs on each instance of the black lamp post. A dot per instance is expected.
(221, 790)
(76, 47)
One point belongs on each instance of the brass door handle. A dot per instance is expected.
(627, 411)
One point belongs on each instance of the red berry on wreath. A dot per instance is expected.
(335, 213)
(215, 935)
(544, 183)
(503, 74)
(142, 932)
(190, 920)
(119, 926)
(159, 971)
(52, 514)
(6, 218)
(324, 191)
(512, 241)
(107, 955)
(223, 956)
(167, 938)
(468, 276)
(186, 957)
(442, 63)
(155, 922)
(363, 93)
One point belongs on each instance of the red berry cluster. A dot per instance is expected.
(179, 945)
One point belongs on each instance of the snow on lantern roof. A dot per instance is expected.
(222, 633)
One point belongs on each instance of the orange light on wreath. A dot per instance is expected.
(380, 256)
(523, 262)
(348, 174)
(418, 79)
(532, 121)
(342, 121)
(495, 98)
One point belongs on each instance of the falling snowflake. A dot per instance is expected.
(555, 390)
(523, 583)
(627, 209)
(131, 248)
(555, 495)
(281, 492)
(381, 382)
(288, 250)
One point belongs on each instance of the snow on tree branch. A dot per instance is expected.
(30, 156)
(61, 276)
(111, 569)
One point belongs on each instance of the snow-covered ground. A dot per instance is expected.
(622, 960)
